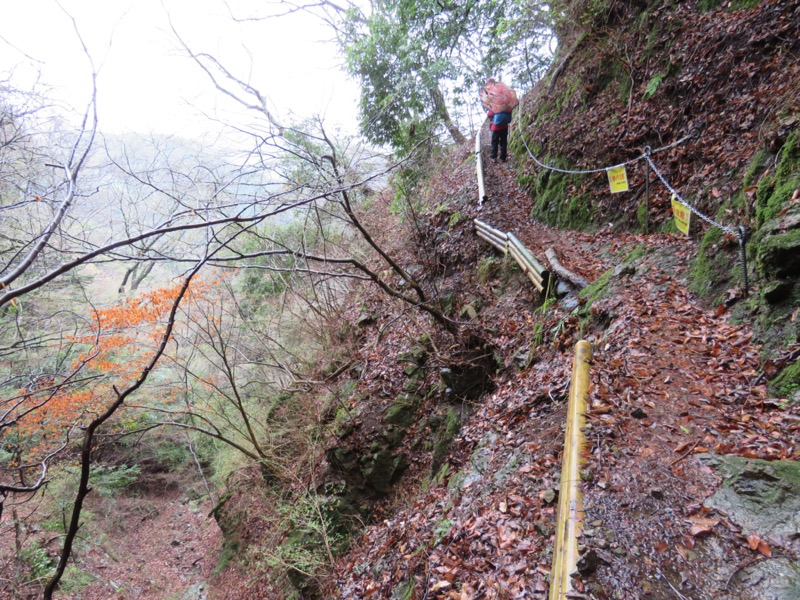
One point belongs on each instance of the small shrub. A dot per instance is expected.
(652, 86)
(487, 269)
(38, 563)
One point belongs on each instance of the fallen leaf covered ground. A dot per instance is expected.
(671, 379)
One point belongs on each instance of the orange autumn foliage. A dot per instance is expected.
(116, 348)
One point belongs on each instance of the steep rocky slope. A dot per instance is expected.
(442, 455)
(677, 379)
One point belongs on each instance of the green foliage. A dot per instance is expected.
(441, 531)
(75, 580)
(538, 334)
(487, 269)
(316, 532)
(108, 481)
(708, 5)
(36, 560)
(175, 456)
(455, 219)
(410, 76)
(652, 86)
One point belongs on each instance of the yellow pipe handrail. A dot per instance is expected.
(570, 502)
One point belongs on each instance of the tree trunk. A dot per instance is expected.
(444, 115)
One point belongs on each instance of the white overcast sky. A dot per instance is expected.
(145, 81)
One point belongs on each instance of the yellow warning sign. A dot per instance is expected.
(617, 179)
(683, 216)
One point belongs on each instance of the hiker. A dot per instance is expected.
(499, 127)
(499, 100)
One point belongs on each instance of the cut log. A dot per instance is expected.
(563, 272)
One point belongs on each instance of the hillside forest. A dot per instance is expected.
(285, 366)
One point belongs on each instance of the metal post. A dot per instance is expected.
(646, 197)
(743, 257)
(647, 152)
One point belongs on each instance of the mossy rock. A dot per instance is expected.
(553, 202)
(344, 459)
(774, 190)
(712, 268)
(444, 438)
(402, 411)
(787, 382)
(416, 355)
(760, 496)
(381, 469)
(776, 292)
(779, 255)
(406, 590)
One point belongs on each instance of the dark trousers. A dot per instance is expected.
(500, 138)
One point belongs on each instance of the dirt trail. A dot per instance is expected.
(670, 379)
(156, 546)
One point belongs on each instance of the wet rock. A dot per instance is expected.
(588, 562)
(760, 496)
(624, 270)
(563, 289)
(195, 592)
(779, 255)
(570, 302)
(776, 579)
(365, 319)
(777, 291)
(383, 468)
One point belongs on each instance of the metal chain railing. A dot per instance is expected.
(644, 155)
(740, 232)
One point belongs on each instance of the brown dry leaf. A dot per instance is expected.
(697, 530)
(682, 551)
(753, 541)
(704, 521)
